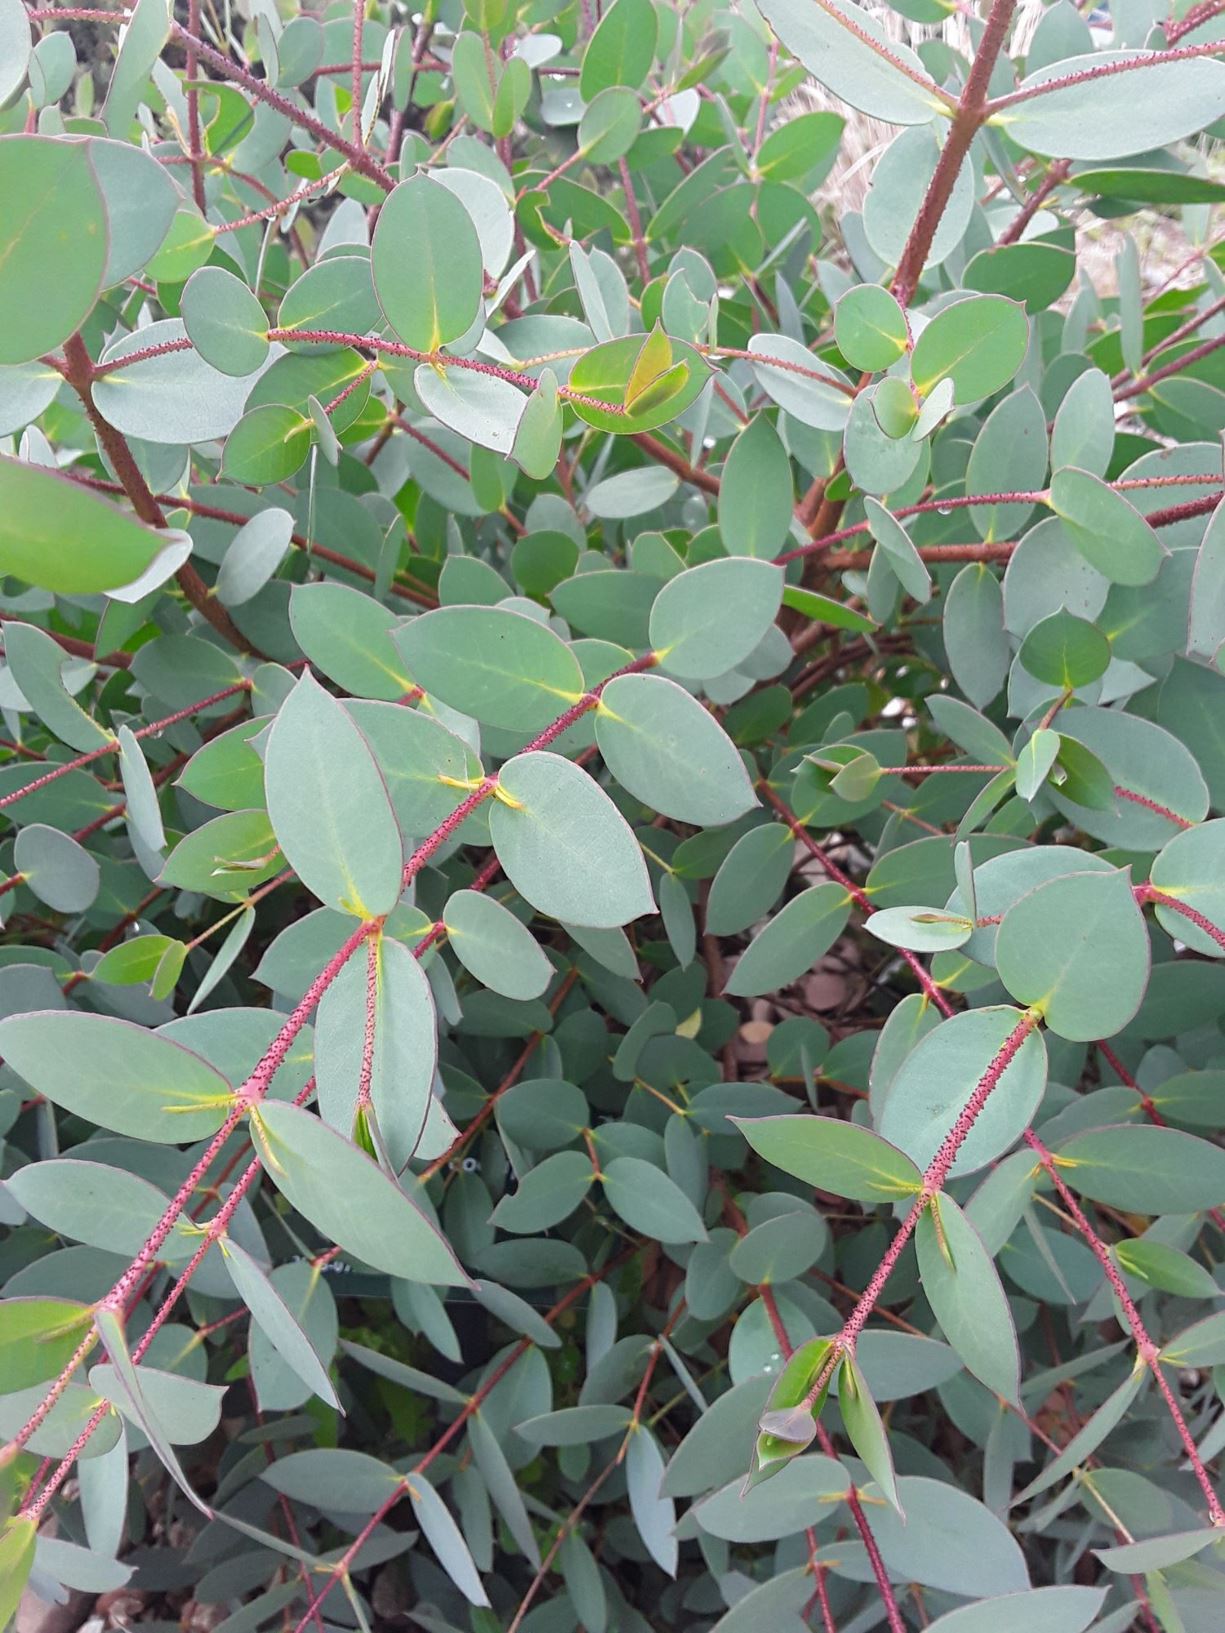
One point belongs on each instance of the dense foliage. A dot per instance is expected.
(611, 1000)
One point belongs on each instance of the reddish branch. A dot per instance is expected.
(1148, 1351)
(1194, 322)
(111, 747)
(1150, 893)
(76, 14)
(365, 1076)
(263, 92)
(1026, 496)
(1105, 70)
(857, 894)
(86, 649)
(1204, 12)
(635, 221)
(79, 372)
(866, 1536)
(197, 507)
(663, 454)
(933, 1180)
(1185, 512)
(969, 116)
(251, 1092)
(340, 1570)
(1055, 176)
(871, 1547)
(194, 142)
(257, 1084)
(1139, 386)
(1143, 892)
(359, 23)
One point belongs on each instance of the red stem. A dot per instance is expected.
(1185, 512)
(1038, 496)
(260, 89)
(279, 206)
(1152, 805)
(395, 348)
(635, 220)
(449, 460)
(857, 894)
(820, 1592)
(1196, 321)
(970, 113)
(197, 507)
(163, 349)
(662, 454)
(248, 1095)
(1124, 1076)
(1202, 13)
(215, 1228)
(193, 110)
(257, 1084)
(1057, 174)
(1148, 1350)
(111, 748)
(933, 1179)
(366, 1072)
(1204, 349)
(78, 370)
(1106, 70)
(1122, 793)
(888, 1598)
(1150, 893)
(359, 24)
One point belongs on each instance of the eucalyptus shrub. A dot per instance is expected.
(611, 1004)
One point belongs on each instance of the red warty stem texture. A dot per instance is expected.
(112, 748)
(256, 1086)
(1148, 1351)
(933, 1180)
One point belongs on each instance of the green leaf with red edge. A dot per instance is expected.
(793, 940)
(979, 343)
(117, 1074)
(842, 1158)
(350, 1200)
(403, 1052)
(1145, 1169)
(755, 497)
(426, 260)
(501, 667)
(1191, 869)
(1077, 948)
(1106, 528)
(55, 217)
(329, 806)
(942, 1072)
(58, 536)
(565, 846)
(967, 1297)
